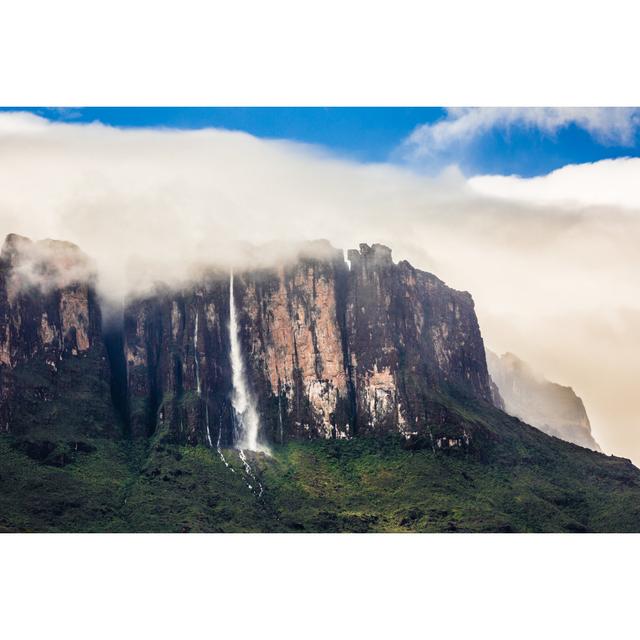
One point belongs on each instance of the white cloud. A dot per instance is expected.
(605, 183)
(21, 123)
(611, 125)
(557, 285)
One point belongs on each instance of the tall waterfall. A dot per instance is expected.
(195, 355)
(247, 423)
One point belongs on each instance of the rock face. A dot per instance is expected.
(292, 325)
(331, 351)
(407, 334)
(54, 372)
(177, 356)
(550, 407)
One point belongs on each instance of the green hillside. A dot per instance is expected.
(512, 478)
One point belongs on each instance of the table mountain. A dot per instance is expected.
(54, 372)
(332, 351)
(369, 378)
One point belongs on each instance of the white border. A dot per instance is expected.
(318, 586)
(335, 52)
(322, 53)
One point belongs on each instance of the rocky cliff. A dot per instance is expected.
(54, 371)
(550, 407)
(177, 355)
(407, 335)
(332, 349)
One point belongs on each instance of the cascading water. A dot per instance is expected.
(280, 424)
(206, 418)
(219, 449)
(249, 472)
(247, 423)
(195, 356)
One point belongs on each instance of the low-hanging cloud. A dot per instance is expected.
(47, 264)
(555, 283)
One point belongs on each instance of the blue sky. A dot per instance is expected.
(526, 145)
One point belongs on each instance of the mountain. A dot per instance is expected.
(550, 407)
(331, 351)
(54, 371)
(368, 378)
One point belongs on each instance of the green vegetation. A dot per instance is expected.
(511, 478)
(72, 400)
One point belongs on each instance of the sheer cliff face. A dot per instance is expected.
(330, 351)
(178, 370)
(407, 334)
(550, 407)
(50, 332)
(292, 326)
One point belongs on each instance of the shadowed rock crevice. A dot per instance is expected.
(113, 336)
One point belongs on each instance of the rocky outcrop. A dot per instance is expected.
(54, 372)
(550, 407)
(331, 348)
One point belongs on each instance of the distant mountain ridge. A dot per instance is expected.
(548, 406)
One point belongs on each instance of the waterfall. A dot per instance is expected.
(249, 471)
(210, 443)
(206, 417)
(247, 423)
(280, 414)
(218, 448)
(195, 355)
(348, 262)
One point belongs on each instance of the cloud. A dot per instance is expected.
(555, 284)
(46, 264)
(604, 183)
(22, 123)
(609, 126)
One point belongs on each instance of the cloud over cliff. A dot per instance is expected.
(552, 266)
